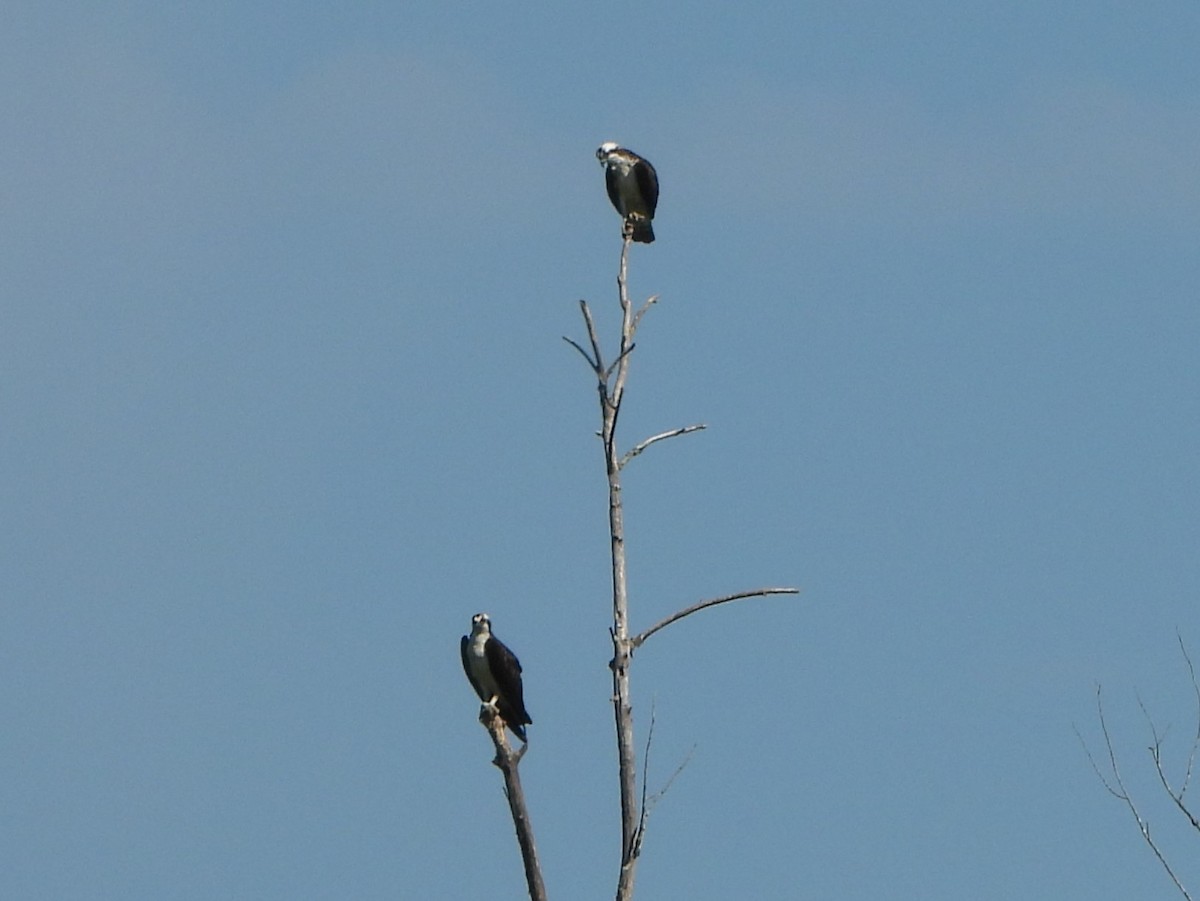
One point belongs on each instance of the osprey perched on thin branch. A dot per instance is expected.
(632, 187)
(495, 674)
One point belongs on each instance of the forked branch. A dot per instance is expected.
(1115, 786)
(1156, 755)
(1187, 776)
(595, 360)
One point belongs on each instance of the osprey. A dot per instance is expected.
(495, 674)
(632, 187)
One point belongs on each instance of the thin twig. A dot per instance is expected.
(643, 813)
(648, 804)
(663, 436)
(1187, 776)
(711, 602)
(1095, 766)
(661, 793)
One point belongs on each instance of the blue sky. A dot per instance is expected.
(285, 402)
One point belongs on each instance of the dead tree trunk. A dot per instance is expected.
(610, 382)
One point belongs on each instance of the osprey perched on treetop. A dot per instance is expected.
(632, 187)
(495, 673)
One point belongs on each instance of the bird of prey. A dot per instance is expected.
(495, 674)
(632, 187)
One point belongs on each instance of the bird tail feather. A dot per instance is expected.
(643, 232)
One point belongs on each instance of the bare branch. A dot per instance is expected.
(1095, 766)
(627, 326)
(650, 301)
(638, 640)
(1156, 755)
(662, 792)
(662, 436)
(592, 363)
(648, 804)
(508, 761)
(592, 336)
(641, 826)
(1122, 793)
(1187, 776)
(595, 359)
(617, 362)
(1155, 750)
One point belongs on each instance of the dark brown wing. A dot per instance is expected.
(610, 183)
(506, 670)
(647, 182)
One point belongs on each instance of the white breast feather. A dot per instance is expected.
(477, 654)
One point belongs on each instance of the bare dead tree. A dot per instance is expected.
(610, 384)
(1114, 782)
